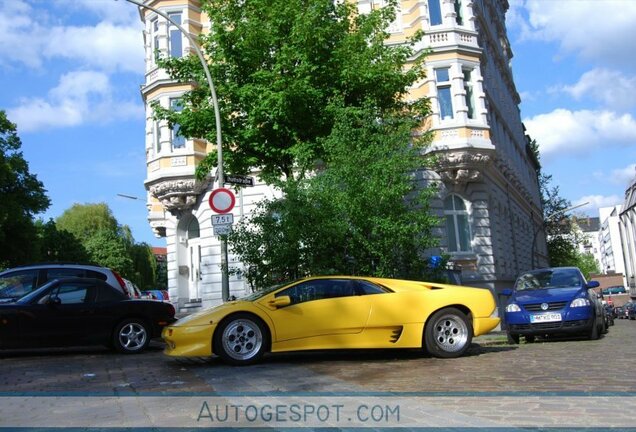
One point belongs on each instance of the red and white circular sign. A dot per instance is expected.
(222, 200)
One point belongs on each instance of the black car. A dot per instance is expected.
(628, 310)
(80, 311)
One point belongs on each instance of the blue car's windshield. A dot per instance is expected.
(549, 278)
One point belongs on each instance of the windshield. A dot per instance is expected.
(14, 286)
(263, 292)
(549, 278)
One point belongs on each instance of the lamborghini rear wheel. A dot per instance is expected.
(448, 333)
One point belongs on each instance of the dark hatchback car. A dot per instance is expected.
(79, 311)
(555, 300)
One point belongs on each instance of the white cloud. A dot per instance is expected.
(29, 37)
(610, 87)
(580, 132)
(620, 176)
(594, 202)
(80, 97)
(597, 30)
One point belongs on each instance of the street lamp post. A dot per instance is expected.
(542, 228)
(225, 284)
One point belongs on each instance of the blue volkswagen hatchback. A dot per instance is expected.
(554, 300)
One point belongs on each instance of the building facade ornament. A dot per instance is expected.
(458, 167)
(178, 196)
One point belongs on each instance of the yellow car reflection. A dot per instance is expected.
(337, 313)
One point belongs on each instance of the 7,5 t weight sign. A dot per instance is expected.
(223, 219)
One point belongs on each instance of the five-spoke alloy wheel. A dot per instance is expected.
(131, 336)
(448, 333)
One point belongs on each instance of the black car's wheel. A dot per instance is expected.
(513, 339)
(131, 336)
(594, 333)
(241, 339)
(530, 339)
(448, 333)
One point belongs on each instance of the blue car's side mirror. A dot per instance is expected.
(506, 292)
(593, 284)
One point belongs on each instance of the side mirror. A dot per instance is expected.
(281, 301)
(54, 301)
(593, 284)
(506, 292)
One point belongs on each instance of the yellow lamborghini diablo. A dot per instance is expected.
(337, 312)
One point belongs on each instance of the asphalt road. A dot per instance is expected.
(492, 374)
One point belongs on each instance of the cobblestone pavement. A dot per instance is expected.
(492, 369)
(490, 366)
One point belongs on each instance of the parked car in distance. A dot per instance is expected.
(82, 311)
(609, 315)
(337, 312)
(19, 281)
(555, 300)
(131, 289)
(620, 312)
(614, 290)
(156, 294)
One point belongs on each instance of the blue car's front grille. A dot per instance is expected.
(536, 307)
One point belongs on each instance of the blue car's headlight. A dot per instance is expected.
(513, 307)
(580, 302)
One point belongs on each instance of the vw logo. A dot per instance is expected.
(544, 306)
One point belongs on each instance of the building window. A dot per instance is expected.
(175, 37)
(459, 17)
(444, 97)
(154, 47)
(157, 136)
(469, 94)
(457, 226)
(178, 140)
(434, 12)
(193, 229)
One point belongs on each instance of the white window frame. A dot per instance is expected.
(455, 213)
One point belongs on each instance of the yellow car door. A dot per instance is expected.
(319, 309)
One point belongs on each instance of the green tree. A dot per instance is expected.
(59, 245)
(283, 69)
(587, 263)
(313, 97)
(86, 220)
(22, 196)
(363, 213)
(144, 265)
(107, 249)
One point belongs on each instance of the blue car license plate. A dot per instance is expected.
(545, 317)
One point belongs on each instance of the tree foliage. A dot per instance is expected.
(86, 220)
(282, 70)
(313, 97)
(107, 249)
(22, 196)
(58, 245)
(108, 243)
(588, 264)
(363, 213)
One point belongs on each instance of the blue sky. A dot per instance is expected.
(71, 71)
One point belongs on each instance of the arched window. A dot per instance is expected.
(457, 226)
(193, 229)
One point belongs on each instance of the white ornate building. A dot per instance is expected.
(628, 236)
(489, 196)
